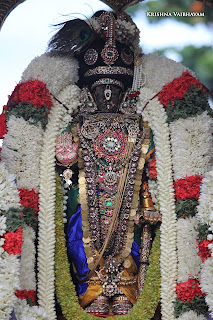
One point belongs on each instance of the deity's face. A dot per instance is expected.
(111, 105)
(90, 59)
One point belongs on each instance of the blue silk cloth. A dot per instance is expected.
(75, 248)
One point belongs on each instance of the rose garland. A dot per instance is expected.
(146, 305)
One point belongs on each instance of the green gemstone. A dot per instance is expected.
(109, 203)
(102, 211)
(109, 54)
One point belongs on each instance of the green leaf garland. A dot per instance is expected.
(194, 102)
(29, 113)
(20, 217)
(197, 305)
(203, 231)
(186, 208)
(147, 303)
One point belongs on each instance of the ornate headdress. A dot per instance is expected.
(77, 34)
(106, 46)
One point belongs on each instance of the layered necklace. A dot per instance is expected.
(109, 182)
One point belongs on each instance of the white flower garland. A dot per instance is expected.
(46, 246)
(21, 151)
(153, 189)
(207, 282)
(3, 226)
(160, 71)
(9, 283)
(191, 145)
(24, 312)
(9, 264)
(205, 207)
(55, 71)
(46, 239)
(156, 117)
(188, 261)
(69, 96)
(9, 196)
(27, 265)
(191, 315)
(205, 216)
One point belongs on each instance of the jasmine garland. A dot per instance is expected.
(191, 145)
(156, 117)
(22, 145)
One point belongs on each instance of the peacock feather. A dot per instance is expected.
(72, 37)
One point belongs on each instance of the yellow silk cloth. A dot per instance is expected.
(130, 290)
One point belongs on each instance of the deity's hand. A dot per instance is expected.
(151, 216)
(66, 150)
(66, 153)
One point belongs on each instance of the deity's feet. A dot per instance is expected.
(118, 305)
(99, 306)
(121, 305)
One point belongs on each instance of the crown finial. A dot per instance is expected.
(120, 5)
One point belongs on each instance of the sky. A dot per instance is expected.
(28, 28)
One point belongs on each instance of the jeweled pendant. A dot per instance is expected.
(108, 93)
(109, 54)
(67, 175)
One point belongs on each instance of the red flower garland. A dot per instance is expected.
(24, 294)
(3, 125)
(29, 198)
(186, 291)
(204, 251)
(177, 88)
(33, 91)
(187, 188)
(13, 241)
(152, 169)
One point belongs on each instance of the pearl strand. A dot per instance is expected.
(139, 78)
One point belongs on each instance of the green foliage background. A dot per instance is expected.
(198, 59)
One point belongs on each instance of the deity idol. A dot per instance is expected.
(100, 132)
